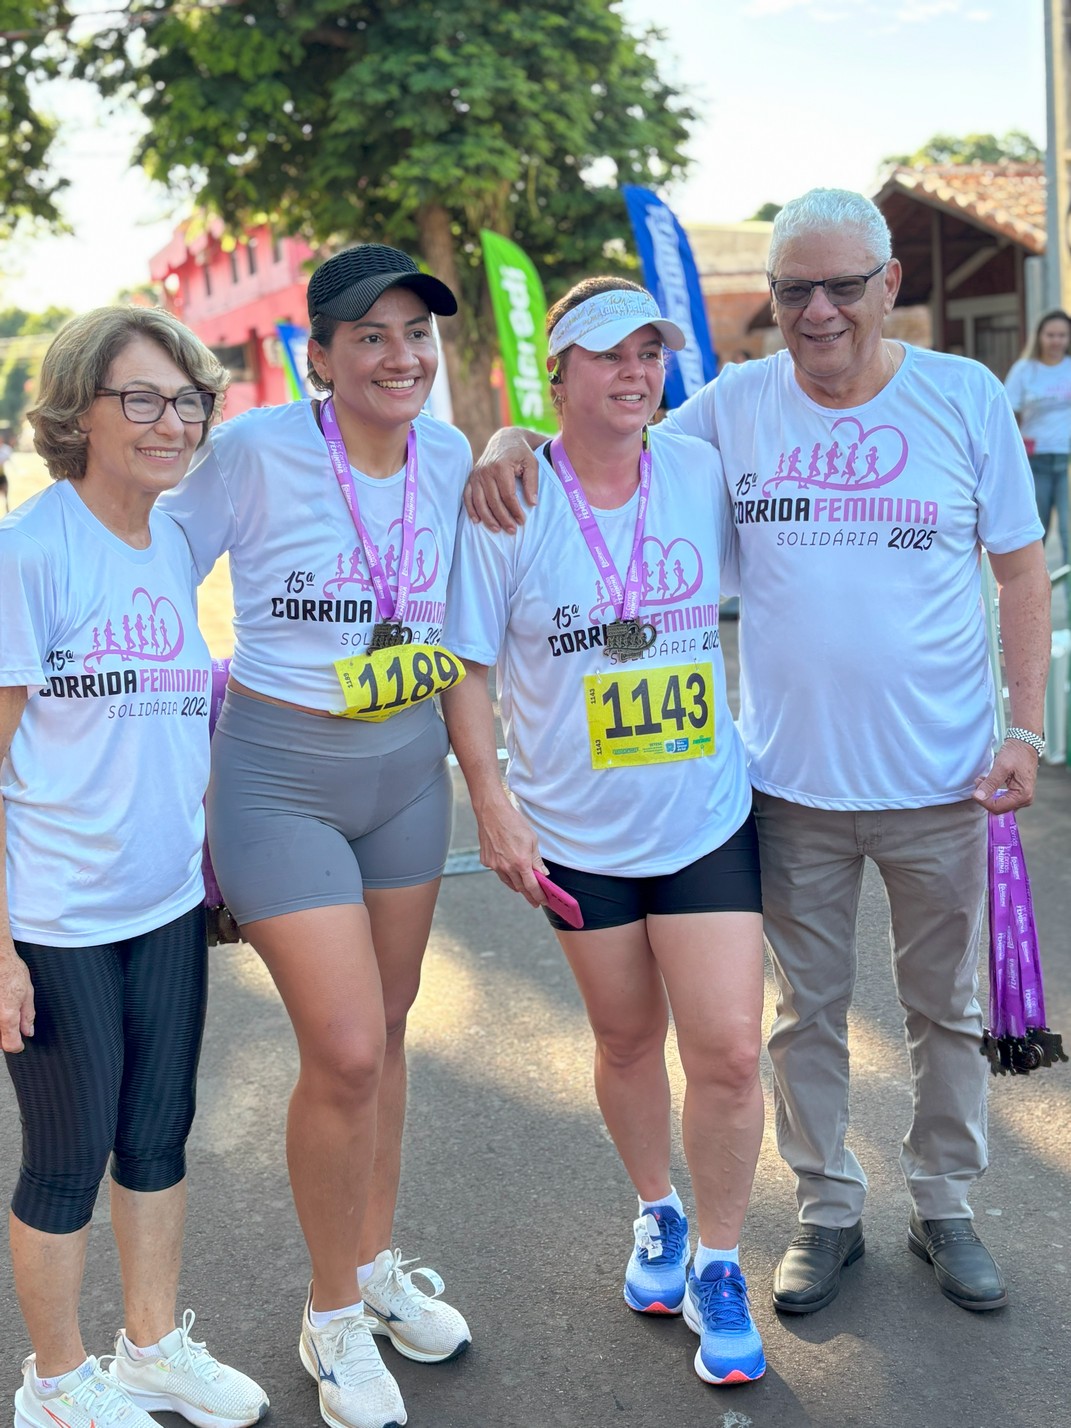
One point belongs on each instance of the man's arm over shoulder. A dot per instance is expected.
(492, 494)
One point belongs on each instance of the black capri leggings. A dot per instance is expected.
(110, 1069)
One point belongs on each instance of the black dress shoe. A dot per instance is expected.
(966, 1272)
(808, 1276)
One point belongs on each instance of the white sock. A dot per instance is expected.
(705, 1256)
(43, 1387)
(320, 1318)
(137, 1352)
(673, 1200)
(364, 1273)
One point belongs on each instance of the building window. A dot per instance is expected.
(234, 265)
(251, 256)
(276, 248)
(208, 280)
(237, 360)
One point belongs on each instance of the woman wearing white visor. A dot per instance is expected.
(629, 787)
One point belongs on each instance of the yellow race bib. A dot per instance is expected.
(383, 682)
(650, 716)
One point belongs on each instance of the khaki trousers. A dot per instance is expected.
(933, 863)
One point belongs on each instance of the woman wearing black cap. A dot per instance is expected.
(329, 834)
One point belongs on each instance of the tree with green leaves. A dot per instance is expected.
(413, 124)
(766, 213)
(28, 191)
(1013, 147)
(24, 336)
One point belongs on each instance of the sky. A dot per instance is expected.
(789, 94)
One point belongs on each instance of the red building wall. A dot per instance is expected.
(233, 299)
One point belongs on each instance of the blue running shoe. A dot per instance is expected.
(657, 1271)
(717, 1309)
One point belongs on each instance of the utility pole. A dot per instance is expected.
(1058, 154)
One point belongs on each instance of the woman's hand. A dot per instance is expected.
(16, 990)
(16, 1001)
(508, 847)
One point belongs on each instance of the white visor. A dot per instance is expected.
(606, 319)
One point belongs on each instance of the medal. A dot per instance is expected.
(386, 633)
(628, 639)
(626, 636)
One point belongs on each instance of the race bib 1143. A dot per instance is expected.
(656, 717)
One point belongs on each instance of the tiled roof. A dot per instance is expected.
(1008, 199)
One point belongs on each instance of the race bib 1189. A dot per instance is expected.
(386, 681)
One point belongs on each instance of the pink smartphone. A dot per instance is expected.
(559, 901)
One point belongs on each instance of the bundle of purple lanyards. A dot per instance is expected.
(1017, 1040)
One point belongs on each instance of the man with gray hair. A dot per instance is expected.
(866, 475)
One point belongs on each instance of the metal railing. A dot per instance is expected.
(1058, 689)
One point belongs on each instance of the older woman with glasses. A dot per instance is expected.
(104, 686)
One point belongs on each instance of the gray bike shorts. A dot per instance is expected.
(307, 812)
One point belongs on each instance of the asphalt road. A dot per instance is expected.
(513, 1192)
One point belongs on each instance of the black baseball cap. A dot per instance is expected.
(348, 284)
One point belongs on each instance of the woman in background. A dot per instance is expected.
(1039, 389)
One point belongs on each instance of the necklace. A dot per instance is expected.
(892, 366)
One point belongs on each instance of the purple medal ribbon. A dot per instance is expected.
(625, 597)
(389, 608)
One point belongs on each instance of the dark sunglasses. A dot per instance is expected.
(841, 292)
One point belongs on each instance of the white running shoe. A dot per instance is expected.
(87, 1397)
(356, 1390)
(186, 1379)
(420, 1325)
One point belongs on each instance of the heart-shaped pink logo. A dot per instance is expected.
(425, 555)
(851, 459)
(150, 632)
(350, 569)
(668, 574)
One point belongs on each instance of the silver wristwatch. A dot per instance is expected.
(1025, 736)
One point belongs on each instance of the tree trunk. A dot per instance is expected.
(468, 362)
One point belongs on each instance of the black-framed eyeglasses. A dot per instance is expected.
(841, 292)
(146, 407)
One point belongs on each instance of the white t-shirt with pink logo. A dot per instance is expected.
(1041, 394)
(536, 605)
(865, 678)
(103, 783)
(263, 489)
